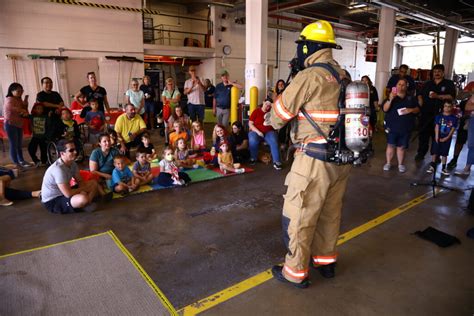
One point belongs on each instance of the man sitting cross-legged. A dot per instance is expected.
(57, 195)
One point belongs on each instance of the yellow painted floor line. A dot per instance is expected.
(239, 288)
(52, 245)
(143, 273)
(127, 254)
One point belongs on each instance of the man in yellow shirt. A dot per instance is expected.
(129, 128)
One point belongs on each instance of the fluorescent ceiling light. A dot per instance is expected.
(379, 2)
(357, 6)
(428, 18)
(456, 27)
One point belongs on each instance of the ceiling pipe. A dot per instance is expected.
(431, 17)
(331, 17)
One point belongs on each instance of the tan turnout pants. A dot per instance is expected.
(312, 213)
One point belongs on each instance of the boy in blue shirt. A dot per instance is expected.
(445, 125)
(122, 178)
(95, 120)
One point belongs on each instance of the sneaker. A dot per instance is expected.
(277, 165)
(90, 207)
(402, 168)
(328, 271)
(445, 172)
(278, 274)
(252, 162)
(240, 170)
(386, 167)
(5, 202)
(452, 164)
(462, 172)
(430, 169)
(25, 164)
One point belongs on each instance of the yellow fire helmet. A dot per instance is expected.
(320, 32)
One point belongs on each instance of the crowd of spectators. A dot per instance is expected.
(427, 111)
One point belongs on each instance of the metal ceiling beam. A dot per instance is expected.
(429, 16)
(275, 8)
(318, 15)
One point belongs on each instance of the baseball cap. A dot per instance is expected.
(224, 73)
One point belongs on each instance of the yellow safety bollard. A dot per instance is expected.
(234, 104)
(253, 99)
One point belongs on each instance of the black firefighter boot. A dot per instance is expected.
(278, 274)
(327, 270)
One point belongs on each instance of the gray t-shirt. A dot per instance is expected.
(57, 173)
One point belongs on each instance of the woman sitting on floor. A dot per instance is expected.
(219, 135)
(240, 140)
(178, 115)
(101, 162)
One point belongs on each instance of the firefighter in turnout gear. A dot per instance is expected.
(313, 201)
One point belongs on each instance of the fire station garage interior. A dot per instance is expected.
(228, 234)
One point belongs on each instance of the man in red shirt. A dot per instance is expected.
(258, 132)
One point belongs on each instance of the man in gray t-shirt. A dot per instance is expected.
(56, 192)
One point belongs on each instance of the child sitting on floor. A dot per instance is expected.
(225, 160)
(122, 178)
(142, 169)
(169, 172)
(147, 147)
(446, 124)
(198, 139)
(179, 132)
(181, 155)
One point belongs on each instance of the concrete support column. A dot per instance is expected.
(256, 25)
(450, 43)
(384, 49)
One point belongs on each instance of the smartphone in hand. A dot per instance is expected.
(394, 90)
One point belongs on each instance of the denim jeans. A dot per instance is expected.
(196, 112)
(271, 138)
(15, 138)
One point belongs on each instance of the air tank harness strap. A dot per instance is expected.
(320, 151)
(315, 151)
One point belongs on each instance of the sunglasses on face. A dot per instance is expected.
(71, 150)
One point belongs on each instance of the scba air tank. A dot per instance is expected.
(357, 125)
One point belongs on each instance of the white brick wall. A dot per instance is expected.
(39, 27)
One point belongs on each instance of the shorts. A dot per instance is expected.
(440, 149)
(60, 205)
(398, 139)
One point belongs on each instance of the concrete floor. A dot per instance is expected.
(198, 240)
